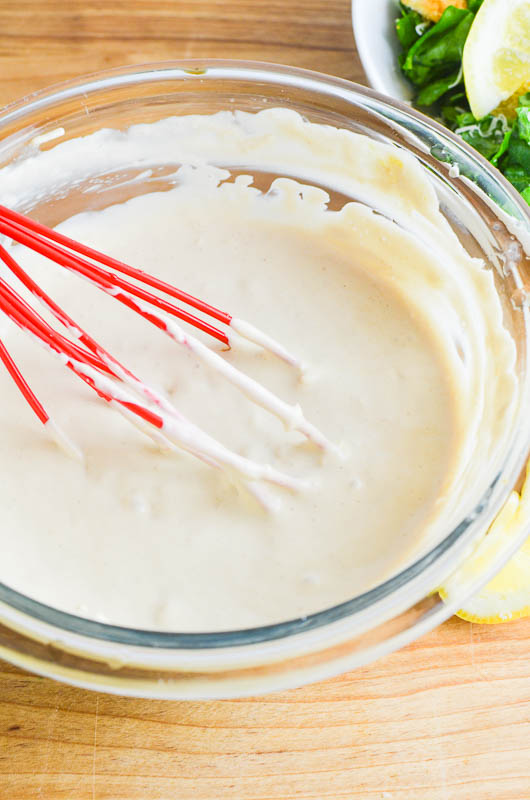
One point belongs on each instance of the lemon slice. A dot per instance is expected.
(496, 57)
(507, 596)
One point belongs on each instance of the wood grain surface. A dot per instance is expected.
(448, 718)
(45, 41)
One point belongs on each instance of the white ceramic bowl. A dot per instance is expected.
(378, 46)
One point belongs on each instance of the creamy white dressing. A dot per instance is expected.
(394, 348)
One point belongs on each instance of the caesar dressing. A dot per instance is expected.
(393, 323)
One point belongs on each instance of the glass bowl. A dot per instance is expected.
(242, 662)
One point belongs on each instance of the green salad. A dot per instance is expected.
(431, 59)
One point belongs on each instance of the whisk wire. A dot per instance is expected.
(107, 281)
(109, 378)
(113, 263)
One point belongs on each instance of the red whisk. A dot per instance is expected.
(112, 381)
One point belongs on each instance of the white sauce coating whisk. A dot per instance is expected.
(140, 403)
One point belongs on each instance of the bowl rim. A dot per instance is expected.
(211, 69)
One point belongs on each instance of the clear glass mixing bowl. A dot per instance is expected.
(242, 662)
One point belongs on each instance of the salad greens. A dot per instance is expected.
(431, 58)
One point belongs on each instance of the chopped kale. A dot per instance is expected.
(431, 58)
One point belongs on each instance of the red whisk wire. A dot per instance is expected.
(28, 319)
(106, 280)
(62, 316)
(22, 313)
(35, 289)
(108, 377)
(114, 263)
(23, 385)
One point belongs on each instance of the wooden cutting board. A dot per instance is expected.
(448, 718)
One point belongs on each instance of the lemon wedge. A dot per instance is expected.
(507, 595)
(496, 58)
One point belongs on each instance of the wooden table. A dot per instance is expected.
(446, 719)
